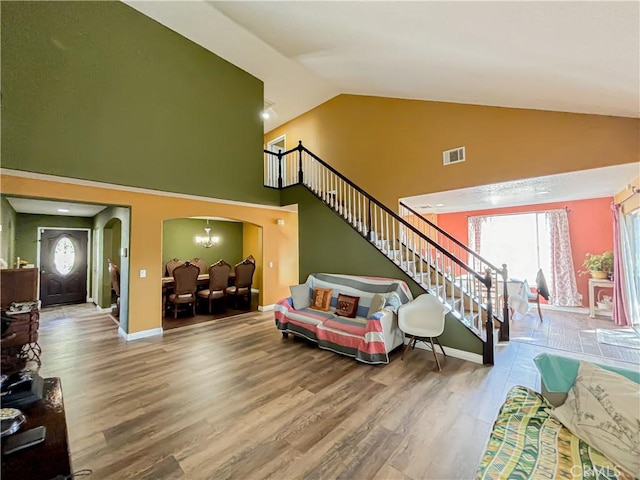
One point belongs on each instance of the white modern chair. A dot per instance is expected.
(423, 319)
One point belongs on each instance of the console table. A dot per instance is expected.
(593, 284)
(50, 458)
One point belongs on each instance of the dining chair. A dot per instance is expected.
(541, 291)
(114, 272)
(219, 274)
(201, 264)
(423, 318)
(186, 284)
(242, 283)
(171, 265)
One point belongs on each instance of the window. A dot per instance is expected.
(522, 241)
(64, 256)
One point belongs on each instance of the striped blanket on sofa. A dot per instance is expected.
(361, 337)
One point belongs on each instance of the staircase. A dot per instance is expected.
(440, 264)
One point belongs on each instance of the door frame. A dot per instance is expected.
(271, 147)
(89, 258)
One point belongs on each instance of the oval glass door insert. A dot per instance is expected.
(64, 256)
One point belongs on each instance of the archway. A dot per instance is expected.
(205, 240)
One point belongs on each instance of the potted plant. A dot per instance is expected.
(599, 266)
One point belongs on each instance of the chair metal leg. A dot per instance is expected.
(438, 342)
(433, 347)
(404, 350)
(415, 340)
(539, 311)
(175, 310)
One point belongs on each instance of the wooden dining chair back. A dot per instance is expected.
(171, 265)
(219, 274)
(114, 272)
(201, 264)
(243, 281)
(186, 284)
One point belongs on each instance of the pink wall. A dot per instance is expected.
(590, 227)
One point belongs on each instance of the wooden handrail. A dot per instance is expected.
(394, 215)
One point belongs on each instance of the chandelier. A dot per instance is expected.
(208, 240)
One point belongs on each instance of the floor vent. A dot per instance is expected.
(456, 155)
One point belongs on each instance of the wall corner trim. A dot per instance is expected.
(137, 335)
(266, 308)
(455, 353)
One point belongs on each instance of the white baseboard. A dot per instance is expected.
(137, 335)
(266, 308)
(103, 310)
(454, 352)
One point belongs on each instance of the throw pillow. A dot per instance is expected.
(321, 298)
(377, 304)
(603, 409)
(347, 306)
(300, 296)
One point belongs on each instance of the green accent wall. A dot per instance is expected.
(8, 234)
(27, 231)
(329, 244)
(99, 91)
(178, 240)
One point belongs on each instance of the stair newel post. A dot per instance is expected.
(504, 327)
(300, 175)
(487, 354)
(280, 170)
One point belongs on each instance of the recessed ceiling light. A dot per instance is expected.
(494, 199)
(265, 115)
(543, 192)
(63, 210)
(439, 204)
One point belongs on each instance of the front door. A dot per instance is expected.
(63, 266)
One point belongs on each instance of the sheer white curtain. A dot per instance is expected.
(564, 288)
(626, 271)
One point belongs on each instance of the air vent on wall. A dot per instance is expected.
(456, 155)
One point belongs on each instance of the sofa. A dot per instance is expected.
(585, 424)
(368, 336)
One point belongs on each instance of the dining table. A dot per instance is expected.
(168, 284)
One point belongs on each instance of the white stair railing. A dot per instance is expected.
(439, 272)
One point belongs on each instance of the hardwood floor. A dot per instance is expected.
(168, 322)
(233, 399)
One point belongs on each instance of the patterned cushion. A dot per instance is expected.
(321, 298)
(347, 306)
(603, 409)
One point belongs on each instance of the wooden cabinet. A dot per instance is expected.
(18, 285)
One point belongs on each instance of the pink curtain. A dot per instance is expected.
(620, 316)
(475, 233)
(564, 288)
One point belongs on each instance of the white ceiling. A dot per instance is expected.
(595, 183)
(48, 207)
(566, 56)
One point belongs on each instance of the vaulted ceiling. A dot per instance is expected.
(566, 56)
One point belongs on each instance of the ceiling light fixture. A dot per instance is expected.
(63, 210)
(543, 192)
(265, 115)
(208, 240)
(439, 204)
